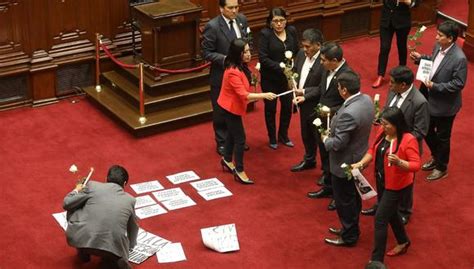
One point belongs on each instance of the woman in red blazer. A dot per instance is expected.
(397, 159)
(233, 100)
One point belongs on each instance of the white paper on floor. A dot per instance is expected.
(171, 253)
(221, 238)
(182, 177)
(178, 203)
(148, 186)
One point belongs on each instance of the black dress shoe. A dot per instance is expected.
(303, 165)
(405, 219)
(369, 211)
(428, 166)
(339, 242)
(332, 205)
(335, 231)
(322, 193)
(437, 175)
(220, 150)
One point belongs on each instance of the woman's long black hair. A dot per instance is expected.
(234, 55)
(395, 117)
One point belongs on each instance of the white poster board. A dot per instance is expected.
(150, 211)
(365, 190)
(424, 70)
(149, 186)
(182, 177)
(221, 238)
(145, 200)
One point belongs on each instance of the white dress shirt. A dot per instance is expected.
(308, 64)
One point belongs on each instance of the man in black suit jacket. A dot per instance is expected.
(443, 91)
(414, 106)
(395, 19)
(217, 35)
(308, 66)
(334, 65)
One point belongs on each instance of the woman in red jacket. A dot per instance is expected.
(233, 99)
(397, 159)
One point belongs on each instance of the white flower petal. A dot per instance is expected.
(257, 66)
(288, 54)
(422, 29)
(317, 122)
(73, 168)
(282, 65)
(377, 97)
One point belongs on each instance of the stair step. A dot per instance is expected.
(132, 90)
(128, 114)
(166, 81)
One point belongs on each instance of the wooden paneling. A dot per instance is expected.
(468, 46)
(38, 37)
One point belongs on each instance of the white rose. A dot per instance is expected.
(422, 29)
(344, 166)
(325, 109)
(248, 30)
(282, 65)
(317, 122)
(377, 97)
(73, 168)
(257, 66)
(288, 54)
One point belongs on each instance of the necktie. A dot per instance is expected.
(233, 34)
(397, 98)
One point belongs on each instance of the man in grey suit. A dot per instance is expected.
(308, 66)
(414, 106)
(216, 38)
(443, 91)
(101, 219)
(347, 142)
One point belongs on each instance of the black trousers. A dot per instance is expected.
(386, 36)
(324, 154)
(285, 117)
(405, 207)
(439, 140)
(348, 206)
(235, 140)
(218, 122)
(308, 133)
(387, 213)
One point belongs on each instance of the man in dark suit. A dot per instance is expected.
(101, 219)
(404, 95)
(395, 19)
(347, 143)
(217, 35)
(443, 91)
(308, 66)
(334, 65)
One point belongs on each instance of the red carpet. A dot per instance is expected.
(278, 226)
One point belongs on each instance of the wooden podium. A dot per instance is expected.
(169, 34)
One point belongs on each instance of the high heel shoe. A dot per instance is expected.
(396, 251)
(286, 141)
(227, 166)
(242, 177)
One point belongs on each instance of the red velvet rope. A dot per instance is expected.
(162, 70)
(123, 65)
(179, 71)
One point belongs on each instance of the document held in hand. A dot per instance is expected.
(221, 238)
(424, 70)
(365, 190)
